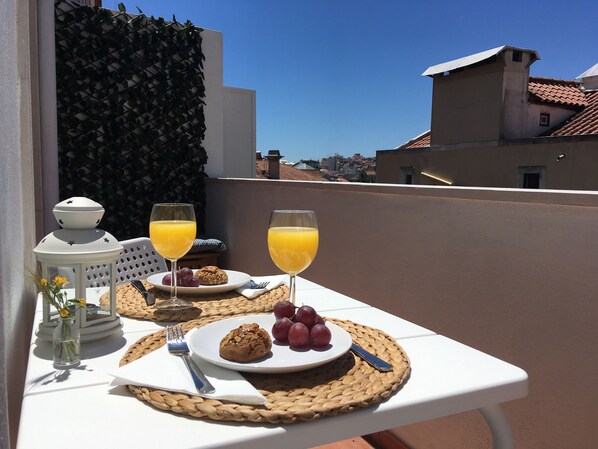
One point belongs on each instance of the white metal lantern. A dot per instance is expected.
(86, 257)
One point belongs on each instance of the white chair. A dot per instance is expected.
(138, 260)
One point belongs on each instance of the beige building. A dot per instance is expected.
(495, 126)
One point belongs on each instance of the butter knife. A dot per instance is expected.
(150, 299)
(376, 362)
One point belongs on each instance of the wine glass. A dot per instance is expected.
(293, 242)
(172, 232)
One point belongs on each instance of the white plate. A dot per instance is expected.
(205, 342)
(235, 280)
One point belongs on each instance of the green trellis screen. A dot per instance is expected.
(130, 98)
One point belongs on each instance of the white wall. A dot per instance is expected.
(239, 133)
(214, 109)
(557, 116)
(48, 115)
(230, 118)
(17, 208)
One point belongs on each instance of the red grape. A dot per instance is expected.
(301, 327)
(284, 309)
(319, 336)
(191, 282)
(184, 274)
(306, 315)
(167, 280)
(184, 278)
(280, 329)
(299, 336)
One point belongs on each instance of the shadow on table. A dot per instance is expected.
(89, 350)
(54, 377)
(103, 347)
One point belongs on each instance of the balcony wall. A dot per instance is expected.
(510, 272)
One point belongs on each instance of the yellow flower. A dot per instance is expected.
(43, 281)
(83, 301)
(60, 281)
(64, 313)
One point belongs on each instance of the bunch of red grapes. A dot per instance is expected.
(301, 327)
(184, 278)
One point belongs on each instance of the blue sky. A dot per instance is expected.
(344, 76)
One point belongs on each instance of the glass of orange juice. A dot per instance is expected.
(172, 231)
(293, 242)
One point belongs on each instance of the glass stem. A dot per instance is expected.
(173, 287)
(292, 288)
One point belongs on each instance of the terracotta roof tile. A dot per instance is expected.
(287, 173)
(421, 141)
(561, 92)
(584, 122)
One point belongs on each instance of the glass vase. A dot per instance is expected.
(66, 343)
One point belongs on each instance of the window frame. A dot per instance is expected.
(406, 173)
(544, 119)
(531, 169)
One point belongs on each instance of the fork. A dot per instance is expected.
(177, 345)
(254, 286)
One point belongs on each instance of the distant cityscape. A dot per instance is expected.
(337, 168)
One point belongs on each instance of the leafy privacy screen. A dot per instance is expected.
(130, 92)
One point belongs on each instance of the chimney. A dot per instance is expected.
(481, 97)
(274, 158)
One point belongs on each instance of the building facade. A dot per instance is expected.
(495, 126)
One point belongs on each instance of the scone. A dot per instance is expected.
(246, 343)
(211, 275)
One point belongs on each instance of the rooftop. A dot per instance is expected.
(470, 60)
(562, 93)
(592, 71)
(287, 172)
(421, 141)
(582, 123)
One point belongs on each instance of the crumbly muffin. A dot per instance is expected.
(211, 275)
(246, 343)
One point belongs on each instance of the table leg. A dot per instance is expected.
(502, 437)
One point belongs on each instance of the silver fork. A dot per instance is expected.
(254, 286)
(177, 345)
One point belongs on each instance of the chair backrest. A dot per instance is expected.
(138, 260)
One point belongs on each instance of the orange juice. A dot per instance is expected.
(172, 238)
(292, 248)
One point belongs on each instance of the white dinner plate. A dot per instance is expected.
(205, 342)
(235, 280)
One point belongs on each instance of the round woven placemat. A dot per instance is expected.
(341, 386)
(130, 303)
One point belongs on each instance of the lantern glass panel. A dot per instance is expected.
(98, 293)
(68, 289)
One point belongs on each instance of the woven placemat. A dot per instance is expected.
(130, 303)
(341, 386)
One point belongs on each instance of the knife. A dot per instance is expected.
(376, 362)
(150, 299)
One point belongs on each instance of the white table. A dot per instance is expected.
(79, 407)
